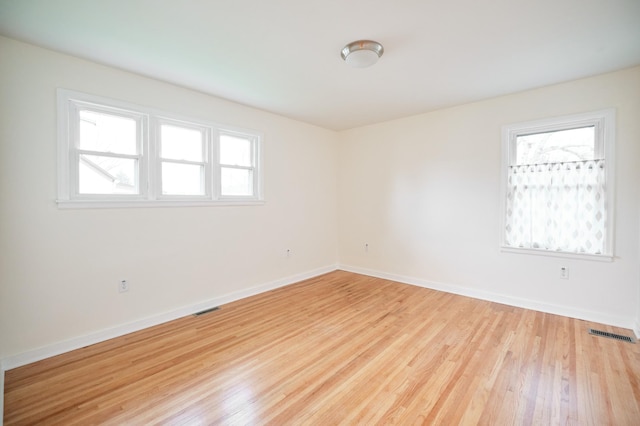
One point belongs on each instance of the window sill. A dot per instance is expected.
(113, 204)
(543, 252)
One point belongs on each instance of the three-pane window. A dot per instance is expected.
(116, 153)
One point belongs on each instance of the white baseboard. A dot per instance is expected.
(102, 335)
(636, 329)
(566, 311)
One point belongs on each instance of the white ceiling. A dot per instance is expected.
(283, 56)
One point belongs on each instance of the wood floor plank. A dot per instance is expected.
(341, 349)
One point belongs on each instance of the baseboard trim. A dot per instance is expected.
(566, 311)
(636, 329)
(110, 333)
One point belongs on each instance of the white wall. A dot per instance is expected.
(423, 192)
(59, 268)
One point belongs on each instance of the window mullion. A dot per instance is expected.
(144, 150)
(215, 164)
(206, 155)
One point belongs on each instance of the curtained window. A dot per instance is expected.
(558, 185)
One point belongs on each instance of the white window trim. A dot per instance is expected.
(149, 120)
(604, 122)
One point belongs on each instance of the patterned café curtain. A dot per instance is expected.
(557, 206)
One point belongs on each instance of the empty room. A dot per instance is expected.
(315, 213)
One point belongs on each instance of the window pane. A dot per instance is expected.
(181, 143)
(236, 181)
(107, 175)
(107, 133)
(235, 151)
(182, 179)
(555, 147)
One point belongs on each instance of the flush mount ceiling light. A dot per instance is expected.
(362, 53)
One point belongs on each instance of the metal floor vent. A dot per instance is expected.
(611, 335)
(206, 311)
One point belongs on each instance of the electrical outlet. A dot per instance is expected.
(564, 272)
(123, 286)
(288, 253)
(366, 247)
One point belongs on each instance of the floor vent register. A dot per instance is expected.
(611, 335)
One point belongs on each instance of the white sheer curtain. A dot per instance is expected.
(557, 206)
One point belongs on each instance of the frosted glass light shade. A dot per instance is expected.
(362, 53)
(362, 58)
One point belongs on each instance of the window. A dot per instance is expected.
(558, 186)
(237, 156)
(113, 154)
(183, 159)
(108, 144)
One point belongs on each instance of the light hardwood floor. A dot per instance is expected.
(341, 349)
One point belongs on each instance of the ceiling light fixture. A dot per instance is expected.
(362, 53)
